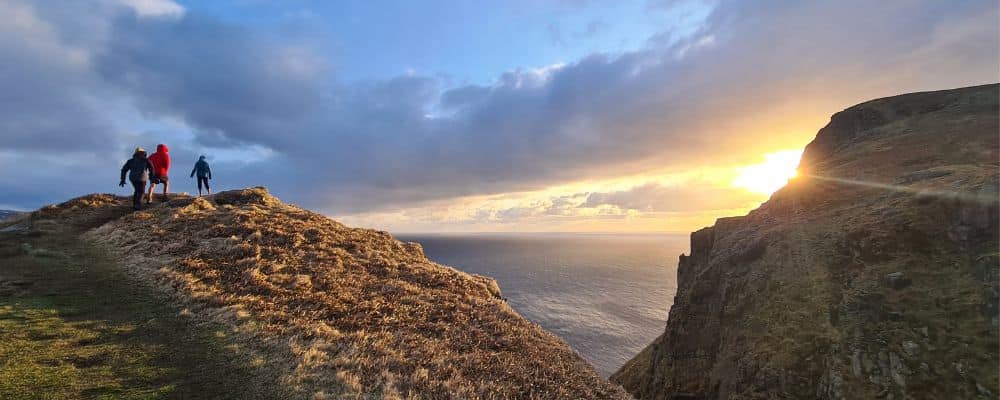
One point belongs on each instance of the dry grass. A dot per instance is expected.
(337, 312)
(74, 326)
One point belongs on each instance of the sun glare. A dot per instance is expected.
(770, 175)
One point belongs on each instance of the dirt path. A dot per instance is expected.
(72, 325)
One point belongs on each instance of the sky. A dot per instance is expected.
(463, 116)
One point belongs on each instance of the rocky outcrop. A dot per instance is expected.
(872, 275)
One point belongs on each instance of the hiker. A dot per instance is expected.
(204, 174)
(139, 169)
(161, 165)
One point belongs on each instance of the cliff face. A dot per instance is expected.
(332, 311)
(875, 273)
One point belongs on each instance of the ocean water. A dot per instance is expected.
(607, 295)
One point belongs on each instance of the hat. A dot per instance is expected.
(140, 150)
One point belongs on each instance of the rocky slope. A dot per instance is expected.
(334, 312)
(872, 275)
(4, 214)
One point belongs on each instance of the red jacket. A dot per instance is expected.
(160, 160)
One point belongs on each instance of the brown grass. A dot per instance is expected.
(337, 312)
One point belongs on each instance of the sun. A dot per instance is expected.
(770, 175)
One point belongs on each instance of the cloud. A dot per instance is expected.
(154, 8)
(231, 85)
(655, 197)
(557, 206)
(751, 78)
(44, 85)
(646, 198)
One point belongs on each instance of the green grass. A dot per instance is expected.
(72, 326)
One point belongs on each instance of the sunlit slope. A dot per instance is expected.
(872, 274)
(335, 312)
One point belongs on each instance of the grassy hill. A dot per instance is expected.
(299, 304)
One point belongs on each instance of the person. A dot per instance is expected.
(161, 165)
(139, 169)
(204, 174)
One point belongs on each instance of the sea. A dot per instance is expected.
(607, 295)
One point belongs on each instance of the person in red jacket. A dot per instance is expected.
(161, 165)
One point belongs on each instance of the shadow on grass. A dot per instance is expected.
(72, 325)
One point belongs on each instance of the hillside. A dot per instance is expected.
(872, 275)
(327, 311)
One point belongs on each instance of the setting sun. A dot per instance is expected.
(769, 175)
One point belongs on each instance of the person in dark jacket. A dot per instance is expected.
(161, 165)
(204, 173)
(139, 170)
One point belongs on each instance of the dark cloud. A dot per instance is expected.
(225, 81)
(46, 91)
(702, 99)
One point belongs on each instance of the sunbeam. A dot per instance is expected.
(970, 197)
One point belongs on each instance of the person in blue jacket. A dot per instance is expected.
(204, 173)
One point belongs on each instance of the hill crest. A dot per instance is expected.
(334, 311)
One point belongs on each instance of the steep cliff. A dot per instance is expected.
(874, 273)
(331, 311)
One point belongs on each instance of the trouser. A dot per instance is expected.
(203, 180)
(140, 189)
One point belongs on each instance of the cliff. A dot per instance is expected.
(331, 311)
(872, 275)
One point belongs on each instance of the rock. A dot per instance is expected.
(866, 362)
(991, 302)
(830, 386)
(897, 370)
(923, 331)
(911, 348)
(897, 280)
(922, 175)
(959, 368)
(836, 386)
(883, 362)
(983, 391)
(856, 363)
(15, 228)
